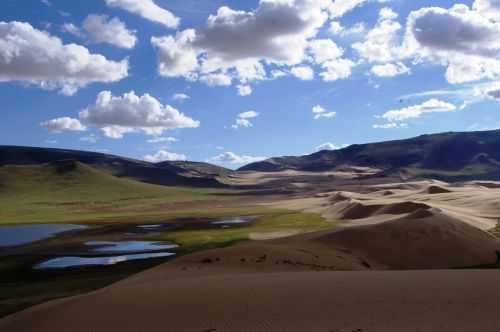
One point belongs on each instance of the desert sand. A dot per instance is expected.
(394, 263)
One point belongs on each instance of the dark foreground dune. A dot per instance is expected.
(416, 301)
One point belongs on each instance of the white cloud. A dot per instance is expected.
(102, 29)
(340, 7)
(72, 29)
(324, 50)
(383, 42)
(411, 112)
(176, 55)
(488, 8)
(163, 155)
(234, 159)
(63, 124)
(147, 9)
(244, 90)
(320, 112)
(330, 146)
(162, 140)
(338, 30)
(35, 57)
(180, 97)
(46, 3)
(118, 115)
(304, 73)
(216, 79)
(337, 69)
(390, 125)
(243, 119)
(390, 69)
(464, 40)
(238, 43)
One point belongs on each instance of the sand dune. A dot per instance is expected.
(417, 301)
(475, 203)
(424, 239)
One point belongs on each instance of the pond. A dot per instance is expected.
(105, 244)
(14, 235)
(120, 247)
(69, 261)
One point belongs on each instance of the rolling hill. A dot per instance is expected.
(164, 173)
(447, 156)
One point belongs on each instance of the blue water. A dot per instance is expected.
(69, 261)
(13, 235)
(234, 221)
(120, 247)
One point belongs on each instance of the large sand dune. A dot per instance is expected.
(418, 301)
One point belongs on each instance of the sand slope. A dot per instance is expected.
(418, 301)
(424, 239)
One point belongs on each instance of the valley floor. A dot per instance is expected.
(352, 255)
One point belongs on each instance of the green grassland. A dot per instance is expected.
(268, 223)
(44, 193)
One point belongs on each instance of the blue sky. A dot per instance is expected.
(401, 72)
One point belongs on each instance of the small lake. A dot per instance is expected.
(106, 244)
(233, 221)
(69, 261)
(13, 235)
(120, 247)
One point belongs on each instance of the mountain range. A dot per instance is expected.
(452, 156)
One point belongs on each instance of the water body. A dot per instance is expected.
(233, 221)
(13, 235)
(121, 247)
(69, 261)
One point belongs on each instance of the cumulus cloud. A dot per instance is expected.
(390, 69)
(63, 124)
(147, 9)
(234, 159)
(324, 50)
(35, 57)
(383, 42)
(216, 79)
(163, 155)
(176, 56)
(330, 146)
(243, 119)
(465, 40)
(162, 140)
(240, 43)
(390, 125)
(304, 73)
(118, 115)
(102, 29)
(180, 97)
(412, 112)
(244, 90)
(337, 69)
(320, 112)
(488, 8)
(340, 7)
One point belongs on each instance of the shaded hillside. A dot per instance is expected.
(448, 156)
(70, 190)
(165, 173)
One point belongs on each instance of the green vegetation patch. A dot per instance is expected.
(44, 193)
(272, 224)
